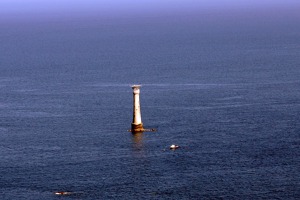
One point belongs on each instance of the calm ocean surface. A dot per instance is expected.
(227, 90)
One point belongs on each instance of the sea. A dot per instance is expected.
(225, 87)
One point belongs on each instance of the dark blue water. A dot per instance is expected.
(225, 89)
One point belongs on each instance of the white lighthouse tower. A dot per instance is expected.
(136, 125)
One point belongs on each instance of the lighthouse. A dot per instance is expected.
(136, 125)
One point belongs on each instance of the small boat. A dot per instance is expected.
(63, 193)
(173, 147)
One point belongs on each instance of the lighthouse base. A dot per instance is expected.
(137, 128)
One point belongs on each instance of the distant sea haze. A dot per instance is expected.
(224, 86)
(64, 9)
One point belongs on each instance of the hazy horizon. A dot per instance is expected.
(66, 8)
